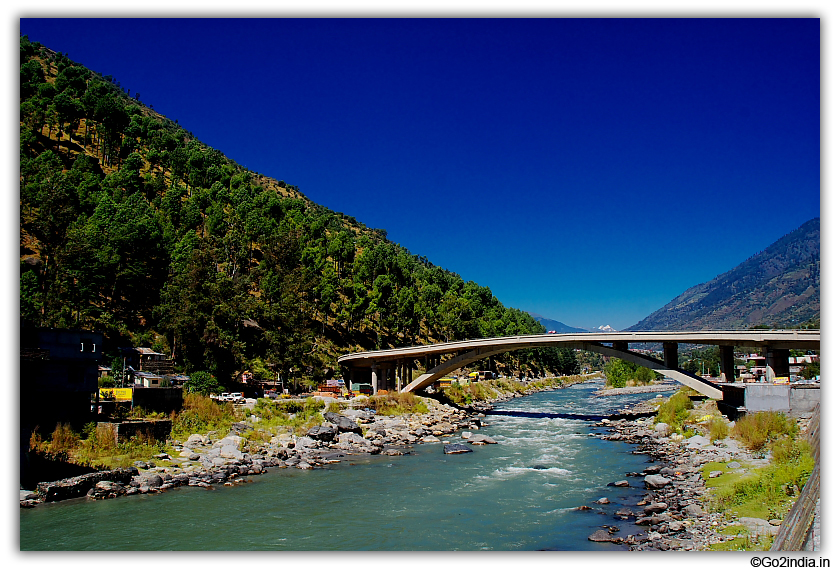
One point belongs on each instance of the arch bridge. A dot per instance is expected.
(383, 368)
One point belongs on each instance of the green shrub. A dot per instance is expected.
(200, 414)
(757, 429)
(674, 410)
(718, 429)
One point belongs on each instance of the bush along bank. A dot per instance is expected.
(713, 484)
(484, 393)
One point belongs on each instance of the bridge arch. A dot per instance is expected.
(702, 385)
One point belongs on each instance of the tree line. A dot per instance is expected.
(133, 227)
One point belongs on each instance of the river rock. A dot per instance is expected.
(622, 483)
(715, 474)
(662, 428)
(453, 448)
(480, 439)
(304, 442)
(342, 423)
(196, 439)
(758, 526)
(233, 440)
(466, 435)
(600, 535)
(323, 432)
(693, 510)
(603, 501)
(106, 490)
(655, 508)
(697, 442)
(230, 452)
(283, 440)
(656, 481)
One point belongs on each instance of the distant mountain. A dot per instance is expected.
(778, 287)
(552, 325)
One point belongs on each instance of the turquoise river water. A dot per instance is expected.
(517, 495)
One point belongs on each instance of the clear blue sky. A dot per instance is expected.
(586, 170)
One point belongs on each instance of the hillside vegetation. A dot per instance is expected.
(133, 227)
(778, 287)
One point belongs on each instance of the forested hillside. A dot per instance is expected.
(133, 227)
(778, 287)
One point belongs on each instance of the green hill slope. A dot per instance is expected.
(779, 288)
(133, 227)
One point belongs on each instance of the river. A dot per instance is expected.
(517, 495)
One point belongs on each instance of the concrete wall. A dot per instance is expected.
(794, 399)
(158, 399)
(767, 398)
(804, 398)
(123, 431)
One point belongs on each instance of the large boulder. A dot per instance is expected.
(79, 486)
(342, 423)
(601, 535)
(196, 439)
(230, 452)
(284, 440)
(106, 490)
(233, 440)
(350, 438)
(323, 432)
(480, 439)
(456, 448)
(656, 481)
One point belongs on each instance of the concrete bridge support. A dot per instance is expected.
(727, 362)
(671, 358)
(374, 376)
(777, 359)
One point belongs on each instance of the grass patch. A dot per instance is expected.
(397, 404)
(286, 415)
(200, 414)
(770, 491)
(742, 540)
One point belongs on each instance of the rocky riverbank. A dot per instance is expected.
(209, 460)
(673, 514)
(212, 459)
(661, 387)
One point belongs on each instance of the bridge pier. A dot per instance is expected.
(621, 345)
(727, 362)
(670, 355)
(374, 377)
(777, 360)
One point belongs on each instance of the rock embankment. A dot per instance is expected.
(661, 387)
(672, 514)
